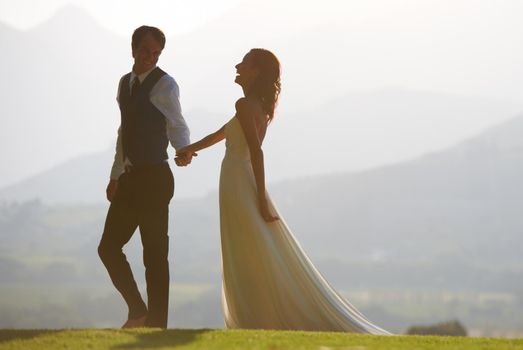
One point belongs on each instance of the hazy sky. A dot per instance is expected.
(175, 16)
(337, 57)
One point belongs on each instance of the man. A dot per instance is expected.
(142, 184)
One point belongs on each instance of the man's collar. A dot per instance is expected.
(142, 76)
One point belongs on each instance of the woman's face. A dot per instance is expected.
(246, 73)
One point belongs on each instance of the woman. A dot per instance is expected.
(268, 281)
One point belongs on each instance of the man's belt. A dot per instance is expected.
(144, 167)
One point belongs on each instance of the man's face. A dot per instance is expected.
(146, 54)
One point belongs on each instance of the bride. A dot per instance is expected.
(268, 280)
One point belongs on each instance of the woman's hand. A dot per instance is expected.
(265, 212)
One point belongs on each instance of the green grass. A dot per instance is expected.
(235, 339)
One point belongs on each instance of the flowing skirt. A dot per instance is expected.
(268, 280)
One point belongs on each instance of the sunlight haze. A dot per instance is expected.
(354, 74)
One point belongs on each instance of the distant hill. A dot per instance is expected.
(61, 79)
(316, 140)
(462, 203)
(83, 179)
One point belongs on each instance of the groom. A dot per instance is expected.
(142, 184)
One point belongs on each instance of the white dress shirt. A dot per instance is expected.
(165, 95)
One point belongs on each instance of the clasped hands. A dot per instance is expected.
(184, 156)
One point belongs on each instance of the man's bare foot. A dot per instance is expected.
(135, 322)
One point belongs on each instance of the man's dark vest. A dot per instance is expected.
(143, 130)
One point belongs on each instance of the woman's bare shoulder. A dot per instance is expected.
(248, 105)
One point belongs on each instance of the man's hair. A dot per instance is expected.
(143, 31)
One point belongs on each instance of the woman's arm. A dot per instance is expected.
(245, 112)
(206, 142)
(185, 154)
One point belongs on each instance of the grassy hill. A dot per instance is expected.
(236, 339)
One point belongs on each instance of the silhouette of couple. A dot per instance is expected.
(268, 280)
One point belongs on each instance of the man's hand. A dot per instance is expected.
(112, 187)
(184, 157)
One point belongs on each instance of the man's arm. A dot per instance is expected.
(118, 163)
(166, 97)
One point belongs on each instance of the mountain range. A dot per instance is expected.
(411, 117)
(61, 96)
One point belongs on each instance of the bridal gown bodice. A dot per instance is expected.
(268, 280)
(235, 144)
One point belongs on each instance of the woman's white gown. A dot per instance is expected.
(268, 280)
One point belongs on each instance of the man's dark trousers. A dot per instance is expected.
(142, 200)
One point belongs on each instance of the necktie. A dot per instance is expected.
(136, 85)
